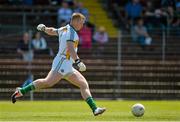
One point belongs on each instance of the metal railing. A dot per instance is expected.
(163, 50)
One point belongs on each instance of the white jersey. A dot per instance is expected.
(62, 63)
(67, 33)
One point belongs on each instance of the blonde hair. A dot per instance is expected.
(77, 16)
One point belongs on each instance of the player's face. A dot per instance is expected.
(80, 24)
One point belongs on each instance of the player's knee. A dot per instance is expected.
(84, 85)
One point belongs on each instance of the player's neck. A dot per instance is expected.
(73, 27)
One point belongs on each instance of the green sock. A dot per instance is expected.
(27, 88)
(90, 101)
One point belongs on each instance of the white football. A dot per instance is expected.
(138, 110)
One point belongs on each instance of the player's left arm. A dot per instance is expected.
(48, 30)
(78, 63)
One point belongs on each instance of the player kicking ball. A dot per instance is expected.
(66, 63)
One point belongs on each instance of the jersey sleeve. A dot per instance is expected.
(70, 35)
(58, 31)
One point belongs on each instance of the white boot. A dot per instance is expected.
(99, 111)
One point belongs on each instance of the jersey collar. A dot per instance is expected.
(73, 28)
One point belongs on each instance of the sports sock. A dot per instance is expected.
(27, 88)
(90, 101)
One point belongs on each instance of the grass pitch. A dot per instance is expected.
(79, 111)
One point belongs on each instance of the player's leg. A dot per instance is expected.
(78, 79)
(52, 78)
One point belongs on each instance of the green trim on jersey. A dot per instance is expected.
(70, 40)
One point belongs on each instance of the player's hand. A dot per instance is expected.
(41, 27)
(79, 65)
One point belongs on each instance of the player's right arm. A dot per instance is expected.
(48, 30)
(78, 64)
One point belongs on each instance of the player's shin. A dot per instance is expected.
(90, 101)
(27, 88)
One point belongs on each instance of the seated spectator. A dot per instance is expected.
(133, 10)
(25, 48)
(85, 36)
(40, 45)
(169, 6)
(140, 34)
(149, 10)
(154, 17)
(64, 13)
(101, 38)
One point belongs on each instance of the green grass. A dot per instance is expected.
(79, 111)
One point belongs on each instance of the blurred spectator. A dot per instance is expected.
(154, 17)
(178, 7)
(40, 45)
(101, 38)
(56, 2)
(28, 2)
(133, 10)
(64, 13)
(169, 6)
(177, 15)
(176, 22)
(140, 34)
(168, 3)
(25, 48)
(59, 2)
(70, 2)
(149, 10)
(80, 9)
(85, 35)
